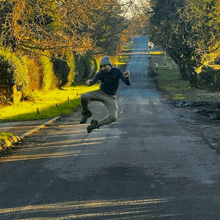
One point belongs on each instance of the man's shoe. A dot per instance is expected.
(85, 116)
(94, 125)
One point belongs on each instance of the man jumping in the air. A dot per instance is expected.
(109, 77)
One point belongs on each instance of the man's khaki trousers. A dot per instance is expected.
(108, 100)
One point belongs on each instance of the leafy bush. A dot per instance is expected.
(17, 65)
(34, 74)
(217, 61)
(206, 77)
(22, 78)
(6, 81)
(72, 68)
(210, 77)
(49, 80)
(94, 66)
(83, 67)
(61, 70)
(6, 73)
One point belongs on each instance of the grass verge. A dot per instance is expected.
(46, 105)
(4, 136)
(169, 81)
(156, 52)
(129, 46)
(123, 59)
(50, 104)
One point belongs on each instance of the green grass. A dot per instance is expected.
(4, 136)
(174, 88)
(156, 52)
(46, 105)
(130, 46)
(122, 60)
(50, 104)
(170, 80)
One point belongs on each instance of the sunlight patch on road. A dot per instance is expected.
(87, 209)
(67, 131)
(114, 213)
(72, 141)
(61, 147)
(47, 156)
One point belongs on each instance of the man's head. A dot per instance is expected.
(105, 63)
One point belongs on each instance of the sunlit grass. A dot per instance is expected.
(122, 60)
(46, 105)
(4, 136)
(156, 52)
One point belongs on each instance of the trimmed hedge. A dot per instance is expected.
(17, 65)
(49, 80)
(85, 67)
(72, 68)
(61, 70)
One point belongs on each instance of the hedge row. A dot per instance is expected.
(24, 74)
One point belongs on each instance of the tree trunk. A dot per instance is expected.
(181, 64)
(193, 78)
(183, 71)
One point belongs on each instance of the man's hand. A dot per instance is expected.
(127, 74)
(89, 82)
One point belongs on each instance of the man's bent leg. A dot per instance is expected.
(89, 96)
(112, 106)
(84, 102)
(85, 98)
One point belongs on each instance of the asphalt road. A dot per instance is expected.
(146, 165)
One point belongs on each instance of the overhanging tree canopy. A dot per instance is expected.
(188, 30)
(59, 25)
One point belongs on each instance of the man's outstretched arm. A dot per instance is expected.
(127, 74)
(126, 78)
(89, 82)
(94, 80)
